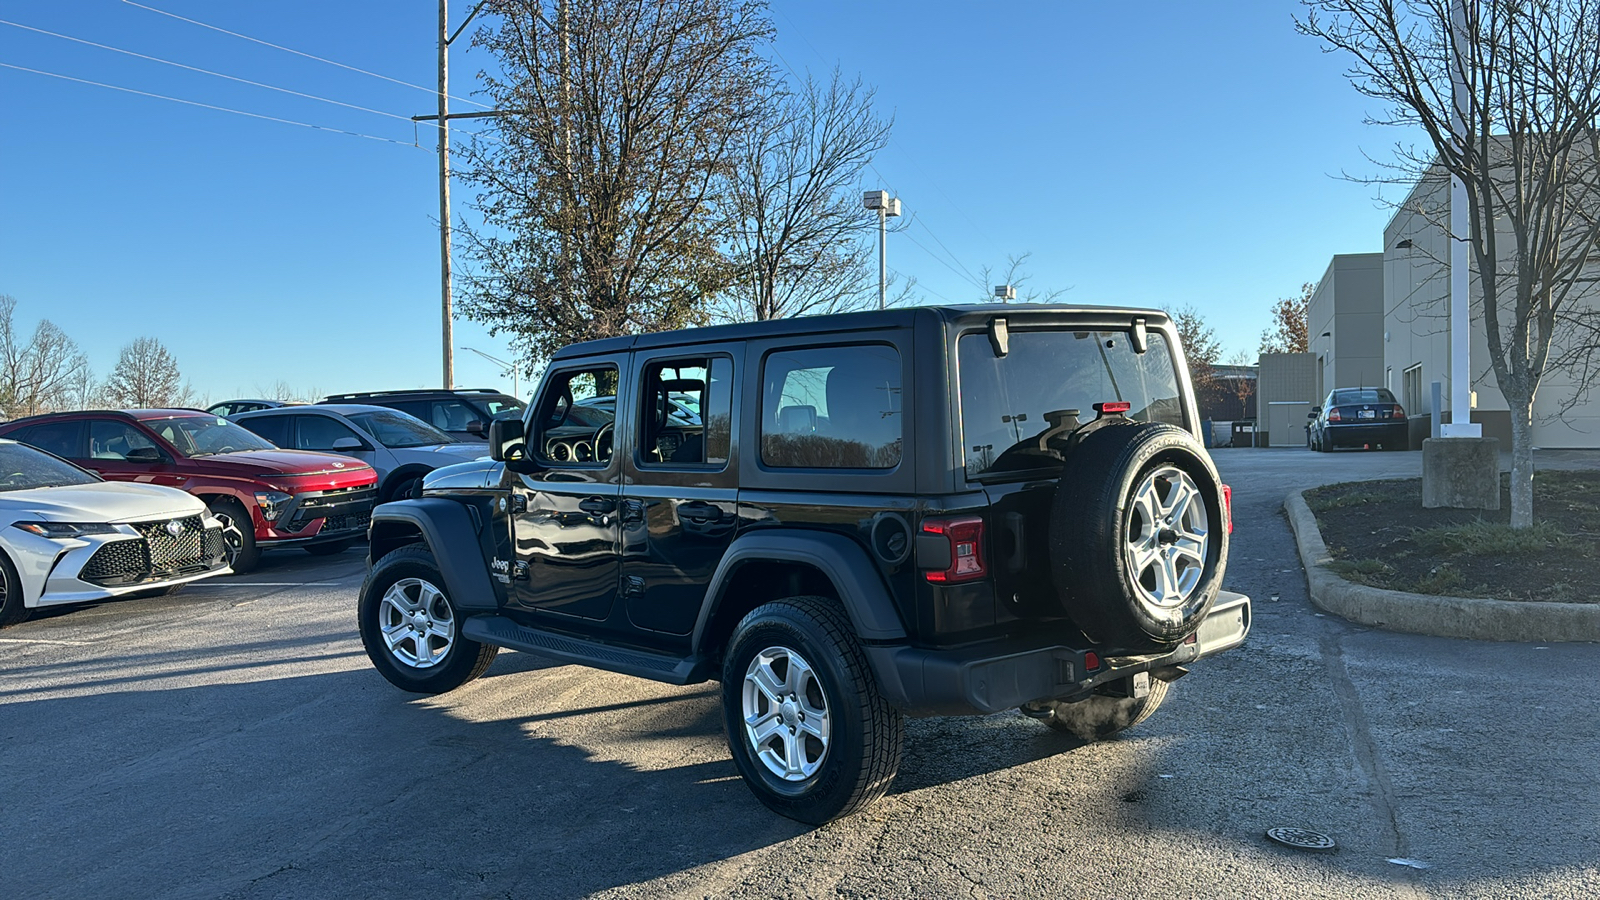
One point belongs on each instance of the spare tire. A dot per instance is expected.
(1137, 535)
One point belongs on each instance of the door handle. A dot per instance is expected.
(597, 505)
(697, 511)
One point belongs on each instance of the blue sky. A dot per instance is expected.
(1148, 153)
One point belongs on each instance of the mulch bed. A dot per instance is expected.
(1379, 534)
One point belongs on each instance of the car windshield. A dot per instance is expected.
(206, 435)
(397, 430)
(23, 468)
(1008, 402)
(503, 404)
(1366, 395)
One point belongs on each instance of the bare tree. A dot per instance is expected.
(36, 376)
(146, 377)
(1290, 332)
(597, 183)
(1017, 276)
(793, 211)
(1527, 156)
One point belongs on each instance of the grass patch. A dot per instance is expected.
(1490, 538)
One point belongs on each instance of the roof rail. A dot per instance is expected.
(353, 394)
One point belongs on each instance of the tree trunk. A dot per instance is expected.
(1521, 462)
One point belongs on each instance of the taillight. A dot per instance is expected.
(965, 537)
(1399, 412)
(1227, 507)
(1333, 416)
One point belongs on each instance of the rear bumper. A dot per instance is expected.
(995, 676)
(1373, 433)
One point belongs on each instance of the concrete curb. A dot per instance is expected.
(1455, 617)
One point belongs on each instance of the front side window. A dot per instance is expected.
(686, 413)
(397, 431)
(205, 435)
(453, 415)
(575, 423)
(832, 408)
(115, 440)
(1051, 376)
(23, 468)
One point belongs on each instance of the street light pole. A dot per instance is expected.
(447, 326)
(1461, 424)
(886, 206)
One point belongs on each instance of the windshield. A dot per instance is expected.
(24, 468)
(1366, 395)
(1008, 402)
(503, 404)
(205, 435)
(396, 430)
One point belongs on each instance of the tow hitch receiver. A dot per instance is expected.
(1137, 686)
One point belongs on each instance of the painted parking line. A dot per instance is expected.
(272, 584)
(35, 641)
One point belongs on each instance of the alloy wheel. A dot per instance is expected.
(786, 716)
(232, 537)
(418, 625)
(1167, 536)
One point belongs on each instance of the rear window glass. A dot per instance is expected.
(1365, 395)
(1007, 402)
(832, 408)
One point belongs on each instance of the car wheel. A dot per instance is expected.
(402, 490)
(238, 535)
(411, 628)
(12, 609)
(331, 548)
(1099, 717)
(1136, 535)
(806, 725)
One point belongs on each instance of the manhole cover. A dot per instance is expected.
(1302, 839)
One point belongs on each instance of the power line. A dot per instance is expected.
(168, 62)
(940, 260)
(320, 59)
(237, 112)
(901, 274)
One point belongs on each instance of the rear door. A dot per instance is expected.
(680, 494)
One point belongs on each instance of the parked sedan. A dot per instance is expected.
(401, 447)
(66, 536)
(1358, 417)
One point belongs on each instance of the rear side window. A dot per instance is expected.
(686, 412)
(319, 433)
(64, 439)
(1008, 401)
(274, 429)
(832, 408)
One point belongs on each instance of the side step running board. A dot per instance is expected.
(503, 632)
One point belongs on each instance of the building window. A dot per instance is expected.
(1413, 390)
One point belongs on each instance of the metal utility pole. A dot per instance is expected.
(1461, 424)
(448, 327)
(886, 206)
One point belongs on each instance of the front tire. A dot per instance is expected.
(12, 609)
(807, 728)
(411, 628)
(238, 535)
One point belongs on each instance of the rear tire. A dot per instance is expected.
(806, 726)
(1137, 537)
(238, 534)
(412, 629)
(1100, 717)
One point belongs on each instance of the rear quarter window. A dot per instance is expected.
(832, 408)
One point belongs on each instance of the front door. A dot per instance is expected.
(566, 509)
(681, 497)
(121, 451)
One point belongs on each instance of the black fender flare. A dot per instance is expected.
(451, 532)
(843, 561)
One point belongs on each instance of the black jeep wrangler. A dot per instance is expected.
(844, 520)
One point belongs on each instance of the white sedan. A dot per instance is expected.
(66, 536)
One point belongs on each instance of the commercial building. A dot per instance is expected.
(1345, 323)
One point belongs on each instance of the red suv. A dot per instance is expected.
(264, 496)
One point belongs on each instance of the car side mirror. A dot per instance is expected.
(1311, 415)
(144, 455)
(475, 427)
(346, 443)
(501, 433)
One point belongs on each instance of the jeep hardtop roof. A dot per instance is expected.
(901, 317)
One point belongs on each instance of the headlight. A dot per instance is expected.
(65, 530)
(272, 503)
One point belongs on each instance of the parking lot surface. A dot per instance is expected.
(232, 741)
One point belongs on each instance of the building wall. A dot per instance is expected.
(1347, 305)
(1284, 378)
(1416, 324)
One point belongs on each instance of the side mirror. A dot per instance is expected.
(501, 433)
(475, 427)
(346, 443)
(144, 455)
(1311, 415)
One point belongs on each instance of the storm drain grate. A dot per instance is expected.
(1302, 839)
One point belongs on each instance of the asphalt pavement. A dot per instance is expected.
(232, 741)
